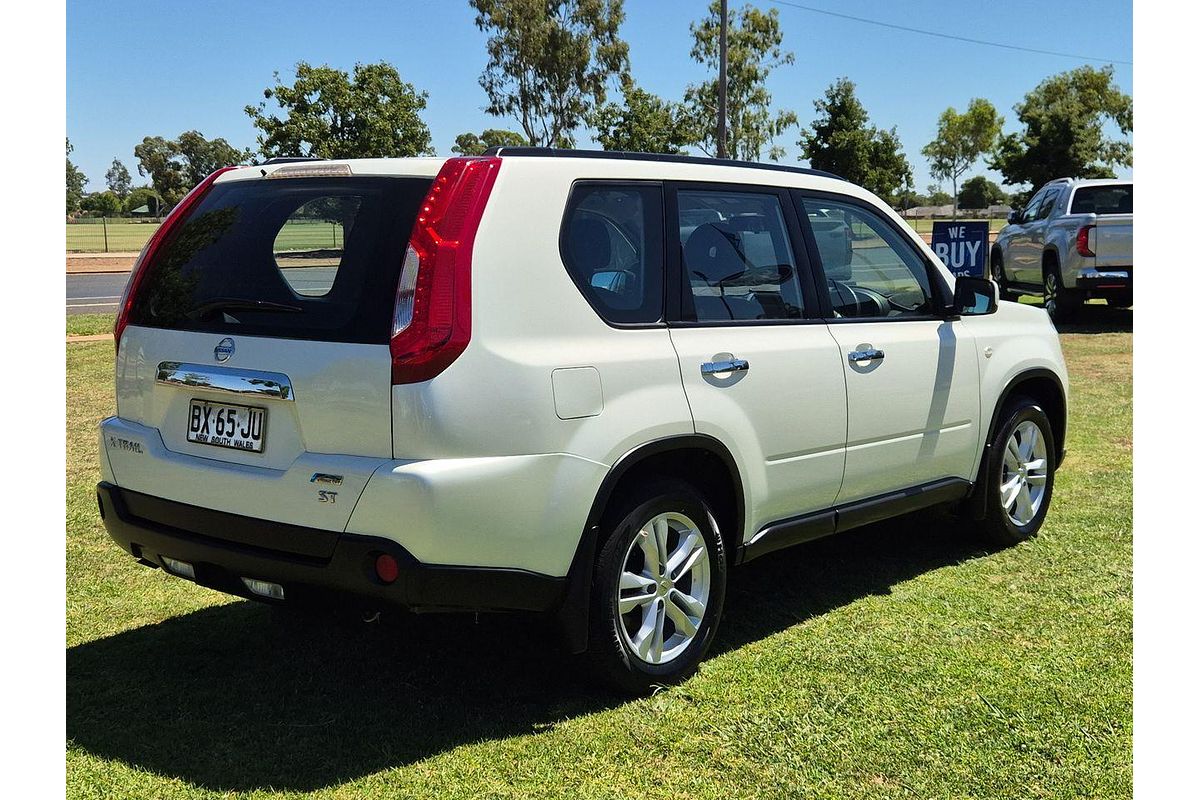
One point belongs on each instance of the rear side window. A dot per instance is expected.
(1103, 200)
(297, 258)
(1048, 203)
(612, 245)
(736, 257)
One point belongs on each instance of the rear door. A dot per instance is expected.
(760, 370)
(257, 350)
(912, 380)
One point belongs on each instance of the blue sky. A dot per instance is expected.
(159, 68)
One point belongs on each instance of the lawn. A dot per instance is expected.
(90, 324)
(128, 236)
(900, 660)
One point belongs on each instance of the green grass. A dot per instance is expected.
(128, 236)
(900, 660)
(90, 324)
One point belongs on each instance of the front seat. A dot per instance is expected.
(712, 254)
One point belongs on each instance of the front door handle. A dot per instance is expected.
(728, 365)
(868, 354)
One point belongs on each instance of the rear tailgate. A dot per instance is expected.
(255, 373)
(1114, 241)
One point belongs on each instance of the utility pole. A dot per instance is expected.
(722, 102)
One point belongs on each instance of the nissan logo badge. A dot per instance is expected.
(223, 350)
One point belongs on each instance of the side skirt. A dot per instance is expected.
(796, 530)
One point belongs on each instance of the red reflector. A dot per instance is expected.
(386, 568)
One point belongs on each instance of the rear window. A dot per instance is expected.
(1117, 199)
(299, 258)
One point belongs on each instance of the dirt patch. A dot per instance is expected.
(100, 262)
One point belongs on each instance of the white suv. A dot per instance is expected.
(579, 383)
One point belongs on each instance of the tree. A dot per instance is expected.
(468, 144)
(329, 115)
(549, 61)
(643, 123)
(979, 192)
(1063, 136)
(143, 196)
(176, 165)
(843, 141)
(102, 204)
(76, 180)
(961, 139)
(118, 179)
(754, 48)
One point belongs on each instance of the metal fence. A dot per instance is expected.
(126, 235)
(100, 235)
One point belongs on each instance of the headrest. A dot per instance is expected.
(712, 253)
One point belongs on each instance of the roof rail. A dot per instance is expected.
(621, 155)
(1061, 180)
(291, 159)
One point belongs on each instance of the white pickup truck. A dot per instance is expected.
(1073, 241)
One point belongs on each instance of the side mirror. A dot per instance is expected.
(974, 297)
(1014, 217)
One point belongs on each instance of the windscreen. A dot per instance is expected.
(299, 258)
(1115, 199)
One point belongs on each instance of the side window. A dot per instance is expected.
(611, 242)
(737, 262)
(1048, 203)
(1031, 208)
(870, 270)
(309, 246)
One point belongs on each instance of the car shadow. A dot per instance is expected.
(238, 697)
(1099, 318)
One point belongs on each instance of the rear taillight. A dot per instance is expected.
(145, 260)
(1083, 241)
(432, 320)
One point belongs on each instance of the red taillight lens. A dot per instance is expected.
(432, 320)
(1083, 244)
(146, 259)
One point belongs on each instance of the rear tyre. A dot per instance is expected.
(658, 588)
(1020, 477)
(999, 277)
(1061, 304)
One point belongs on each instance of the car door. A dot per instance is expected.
(1020, 250)
(912, 380)
(760, 370)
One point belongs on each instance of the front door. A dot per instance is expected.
(912, 380)
(760, 370)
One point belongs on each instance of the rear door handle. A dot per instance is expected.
(728, 365)
(869, 354)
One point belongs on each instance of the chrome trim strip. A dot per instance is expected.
(243, 382)
(1090, 273)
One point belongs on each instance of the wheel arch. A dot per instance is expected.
(699, 459)
(1046, 388)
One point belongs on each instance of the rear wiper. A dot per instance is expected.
(238, 304)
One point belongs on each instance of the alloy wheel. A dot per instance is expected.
(664, 588)
(1023, 473)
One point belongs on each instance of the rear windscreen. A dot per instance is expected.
(299, 258)
(1103, 199)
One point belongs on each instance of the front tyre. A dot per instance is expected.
(999, 278)
(1021, 474)
(658, 588)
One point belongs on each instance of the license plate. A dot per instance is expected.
(227, 425)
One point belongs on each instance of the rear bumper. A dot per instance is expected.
(1106, 282)
(317, 566)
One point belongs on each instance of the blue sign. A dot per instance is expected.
(962, 247)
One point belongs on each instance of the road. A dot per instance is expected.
(100, 292)
(95, 293)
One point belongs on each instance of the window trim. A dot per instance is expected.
(582, 184)
(943, 297)
(677, 286)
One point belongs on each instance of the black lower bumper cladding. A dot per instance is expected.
(312, 565)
